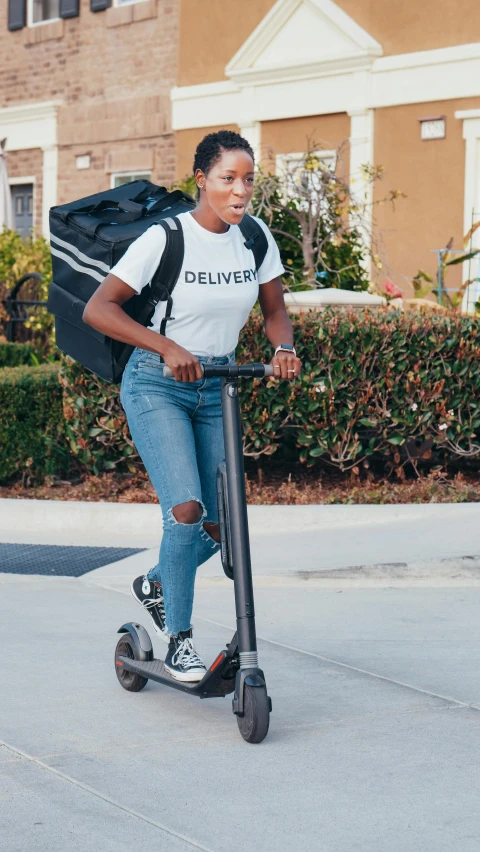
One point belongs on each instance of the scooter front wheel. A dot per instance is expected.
(253, 725)
(129, 680)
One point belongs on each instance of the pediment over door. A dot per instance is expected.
(303, 37)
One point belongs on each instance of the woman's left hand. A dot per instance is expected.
(286, 365)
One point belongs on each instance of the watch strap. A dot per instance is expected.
(286, 348)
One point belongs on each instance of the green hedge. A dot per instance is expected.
(15, 354)
(95, 427)
(387, 386)
(31, 423)
(399, 388)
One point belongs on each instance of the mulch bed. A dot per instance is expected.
(275, 486)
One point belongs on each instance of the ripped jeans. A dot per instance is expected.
(177, 429)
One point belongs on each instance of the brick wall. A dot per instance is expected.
(111, 72)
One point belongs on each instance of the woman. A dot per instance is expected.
(177, 425)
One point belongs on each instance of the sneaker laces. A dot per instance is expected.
(187, 656)
(148, 603)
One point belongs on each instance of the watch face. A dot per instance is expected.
(286, 346)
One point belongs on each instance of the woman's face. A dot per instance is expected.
(228, 185)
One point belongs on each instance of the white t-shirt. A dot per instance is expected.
(216, 289)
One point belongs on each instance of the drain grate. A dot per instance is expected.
(58, 560)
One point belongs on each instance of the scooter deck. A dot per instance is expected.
(218, 681)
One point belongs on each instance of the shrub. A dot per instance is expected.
(95, 425)
(15, 354)
(385, 385)
(31, 423)
(18, 256)
(376, 385)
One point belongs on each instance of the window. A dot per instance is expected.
(43, 10)
(121, 179)
(307, 177)
(291, 168)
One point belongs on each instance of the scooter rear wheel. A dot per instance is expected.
(129, 680)
(253, 725)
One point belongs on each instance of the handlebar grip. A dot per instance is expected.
(268, 371)
(168, 373)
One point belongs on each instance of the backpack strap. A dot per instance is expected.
(166, 276)
(255, 239)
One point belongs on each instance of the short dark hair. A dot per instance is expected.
(212, 146)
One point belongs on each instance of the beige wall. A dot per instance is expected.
(187, 141)
(404, 26)
(291, 135)
(208, 41)
(432, 174)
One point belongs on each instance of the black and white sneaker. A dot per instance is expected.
(182, 661)
(150, 596)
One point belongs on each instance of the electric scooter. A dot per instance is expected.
(235, 669)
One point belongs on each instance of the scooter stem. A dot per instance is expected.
(237, 504)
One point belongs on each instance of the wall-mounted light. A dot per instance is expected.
(434, 127)
(83, 161)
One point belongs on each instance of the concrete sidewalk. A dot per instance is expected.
(373, 744)
(288, 542)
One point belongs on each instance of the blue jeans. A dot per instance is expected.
(178, 431)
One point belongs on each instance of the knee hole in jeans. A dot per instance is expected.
(213, 530)
(190, 512)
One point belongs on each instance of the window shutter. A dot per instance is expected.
(17, 14)
(99, 5)
(69, 8)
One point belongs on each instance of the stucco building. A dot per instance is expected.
(367, 71)
(95, 91)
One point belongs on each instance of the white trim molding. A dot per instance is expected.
(19, 181)
(471, 197)
(286, 23)
(35, 126)
(331, 87)
(252, 132)
(362, 136)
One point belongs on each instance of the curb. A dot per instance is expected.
(435, 573)
(140, 524)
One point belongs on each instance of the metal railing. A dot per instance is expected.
(16, 308)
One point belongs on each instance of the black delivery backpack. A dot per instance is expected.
(88, 237)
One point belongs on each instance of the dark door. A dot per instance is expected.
(22, 200)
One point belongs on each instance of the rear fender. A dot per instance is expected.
(141, 640)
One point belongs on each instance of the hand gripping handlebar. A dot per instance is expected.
(231, 371)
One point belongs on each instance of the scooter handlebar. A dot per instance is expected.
(230, 371)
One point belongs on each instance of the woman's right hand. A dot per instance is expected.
(184, 366)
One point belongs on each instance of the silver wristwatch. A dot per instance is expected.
(285, 347)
